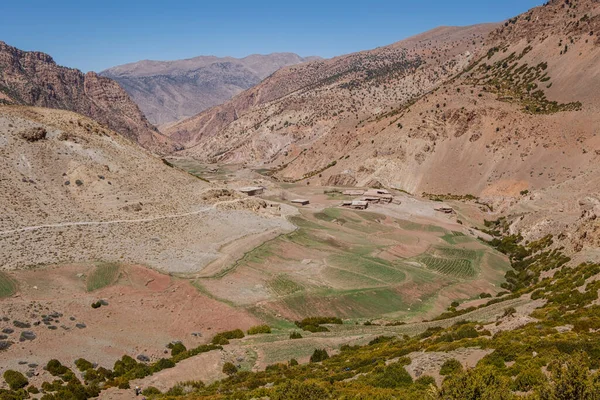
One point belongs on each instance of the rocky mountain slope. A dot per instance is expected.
(168, 91)
(82, 192)
(507, 113)
(300, 104)
(34, 79)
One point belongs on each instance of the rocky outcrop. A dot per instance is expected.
(33, 78)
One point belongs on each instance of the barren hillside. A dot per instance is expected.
(442, 112)
(168, 91)
(33, 78)
(81, 192)
(300, 104)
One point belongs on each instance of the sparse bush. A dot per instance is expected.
(220, 340)
(229, 369)
(319, 355)
(295, 335)
(150, 390)
(55, 368)
(34, 134)
(176, 348)
(259, 329)
(450, 367)
(293, 390)
(15, 379)
(83, 364)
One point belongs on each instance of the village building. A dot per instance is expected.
(383, 195)
(302, 202)
(253, 190)
(356, 204)
(353, 192)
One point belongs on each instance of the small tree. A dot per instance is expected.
(319, 355)
(229, 369)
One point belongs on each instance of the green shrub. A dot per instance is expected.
(476, 384)
(393, 376)
(32, 389)
(176, 348)
(425, 381)
(161, 364)
(55, 368)
(150, 390)
(83, 364)
(293, 390)
(295, 335)
(319, 355)
(528, 379)
(312, 324)
(234, 334)
(293, 362)
(229, 369)
(220, 340)
(450, 367)
(259, 329)
(15, 379)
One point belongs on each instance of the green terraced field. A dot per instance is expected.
(454, 237)
(455, 267)
(455, 252)
(349, 304)
(105, 274)
(283, 285)
(7, 285)
(368, 266)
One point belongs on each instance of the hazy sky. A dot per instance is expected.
(94, 35)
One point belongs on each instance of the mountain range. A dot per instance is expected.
(168, 91)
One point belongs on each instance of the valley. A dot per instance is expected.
(418, 221)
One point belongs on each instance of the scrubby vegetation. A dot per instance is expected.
(7, 285)
(554, 356)
(224, 337)
(104, 274)
(15, 380)
(255, 330)
(517, 82)
(313, 324)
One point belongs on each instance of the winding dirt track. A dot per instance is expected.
(116, 221)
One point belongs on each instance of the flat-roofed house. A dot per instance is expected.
(302, 202)
(253, 190)
(356, 204)
(383, 195)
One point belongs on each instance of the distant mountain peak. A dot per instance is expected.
(168, 91)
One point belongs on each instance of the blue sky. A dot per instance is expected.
(94, 35)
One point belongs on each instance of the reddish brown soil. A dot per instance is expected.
(146, 310)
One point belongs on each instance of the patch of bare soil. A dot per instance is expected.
(145, 311)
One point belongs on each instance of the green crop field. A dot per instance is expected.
(455, 267)
(455, 252)
(7, 285)
(105, 274)
(283, 285)
(368, 266)
(454, 237)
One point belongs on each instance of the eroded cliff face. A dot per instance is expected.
(33, 78)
